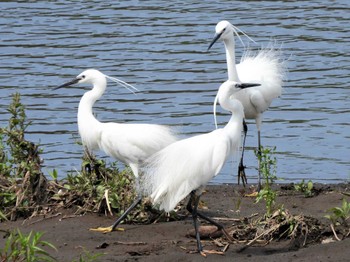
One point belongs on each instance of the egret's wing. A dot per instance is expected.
(133, 143)
(172, 173)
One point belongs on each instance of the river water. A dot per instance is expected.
(160, 47)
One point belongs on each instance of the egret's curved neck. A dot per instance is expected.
(89, 127)
(231, 59)
(89, 99)
(231, 105)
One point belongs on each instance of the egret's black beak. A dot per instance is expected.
(72, 82)
(246, 85)
(216, 37)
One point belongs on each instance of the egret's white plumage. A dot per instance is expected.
(186, 166)
(128, 143)
(189, 164)
(266, 68)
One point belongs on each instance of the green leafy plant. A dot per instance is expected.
(23, 185)
(53, 174)
(340, 215)
(268, 171)
(22, 247)
(305, 188)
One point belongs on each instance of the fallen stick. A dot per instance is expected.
(234, 219)
(44, 218)
(70, 216)
(129, 243)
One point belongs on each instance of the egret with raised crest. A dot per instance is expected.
(266, 68)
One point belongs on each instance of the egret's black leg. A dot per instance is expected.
(211, 221)
(259, 157)
(241, 166)
(93, 164)
(194, 200)
(190, 209)
(122, 217)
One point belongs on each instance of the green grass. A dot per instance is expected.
(22, 247)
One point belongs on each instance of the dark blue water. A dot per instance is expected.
(160, 47)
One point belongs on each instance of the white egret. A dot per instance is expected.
(129, 143)
(266, 68)
(186, 166)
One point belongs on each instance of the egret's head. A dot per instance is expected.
(226, 90)
(90, 76)
(233, 87)
(98, 79)
(224, 30)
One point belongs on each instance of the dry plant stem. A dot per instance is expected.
(107, 202)
(56, 185)
(70, 216)
(259, 236)
(129, 243)
(45, 218)
(335, 234)
(225, 248)
(234, 219)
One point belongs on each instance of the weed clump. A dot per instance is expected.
(102, 188)
(339, 217)
(22, 183)
(25, 191)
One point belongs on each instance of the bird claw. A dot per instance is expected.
(241, 174)
(105, 230)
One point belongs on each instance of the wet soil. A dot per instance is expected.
(172, 241)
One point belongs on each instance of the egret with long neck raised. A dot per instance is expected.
(130, 143)
(266, 68)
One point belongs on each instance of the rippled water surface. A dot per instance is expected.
(160, 47)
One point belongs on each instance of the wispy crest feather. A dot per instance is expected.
(129, 87)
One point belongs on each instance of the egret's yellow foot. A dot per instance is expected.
(254, 194)
(105, 230)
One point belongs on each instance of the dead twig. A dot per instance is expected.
(44, 218)
(130, 243)
(70, 216)
(235, 219)
(258, 237)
